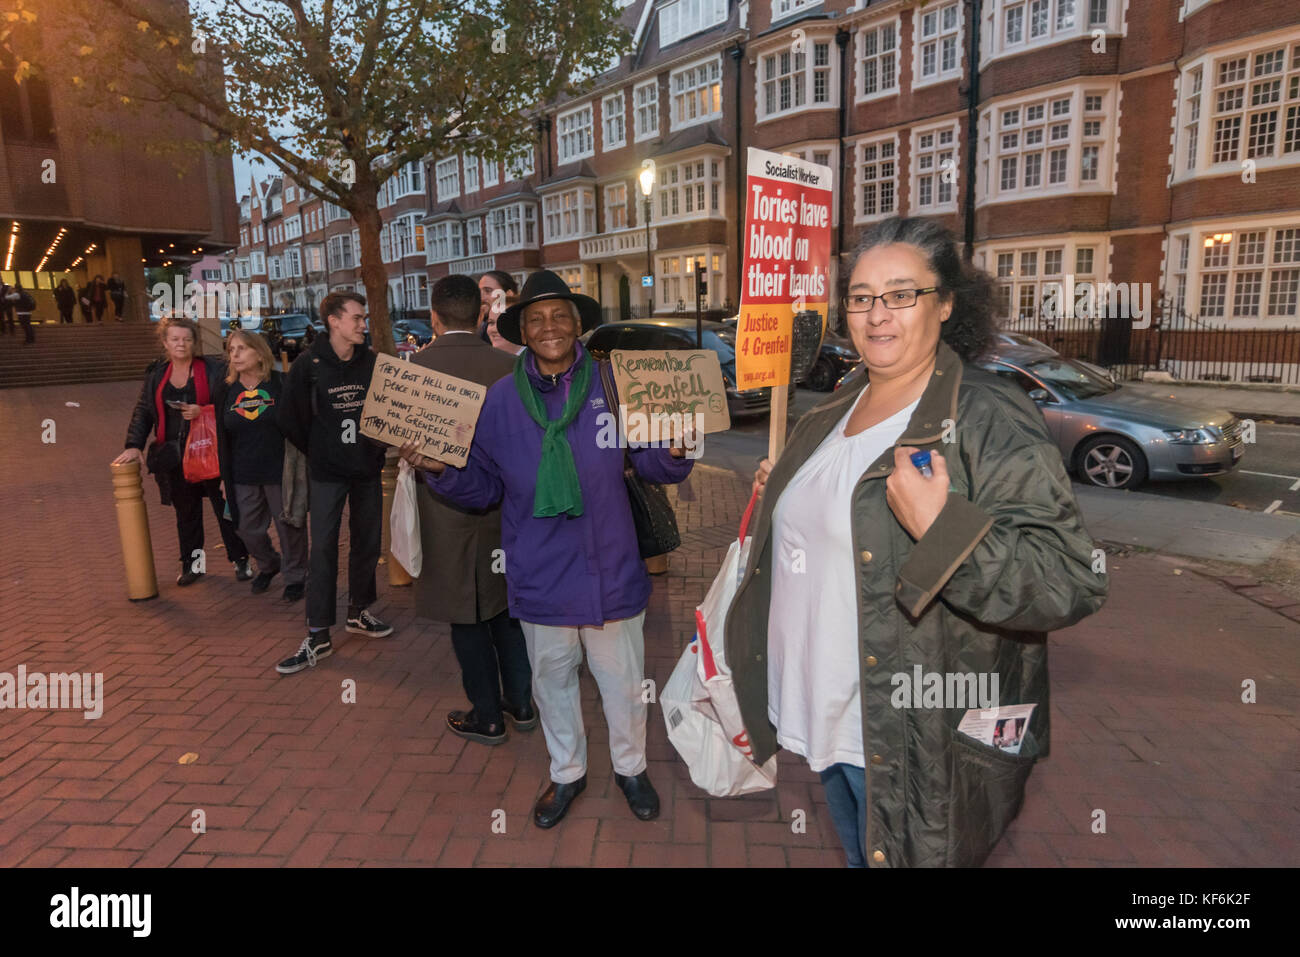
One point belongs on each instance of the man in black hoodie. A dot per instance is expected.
(320, 413)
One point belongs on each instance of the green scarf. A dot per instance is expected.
(558, 490)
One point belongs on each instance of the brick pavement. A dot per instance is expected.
(1147, 720)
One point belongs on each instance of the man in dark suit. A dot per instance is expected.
(462, 579)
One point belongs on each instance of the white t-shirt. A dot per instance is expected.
(813, 654)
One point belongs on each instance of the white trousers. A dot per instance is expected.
(616, 657)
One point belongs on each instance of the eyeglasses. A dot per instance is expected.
(894, 299)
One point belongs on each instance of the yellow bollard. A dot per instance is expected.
(284, 360)
(397, 575)
(133, 529)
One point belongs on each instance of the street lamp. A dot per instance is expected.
(647, 182)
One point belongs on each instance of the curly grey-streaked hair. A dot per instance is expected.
(971, 328)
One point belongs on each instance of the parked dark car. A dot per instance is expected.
(836, 358)
(291, 332)
(680, 334)
(422, 329)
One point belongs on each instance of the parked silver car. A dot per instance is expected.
(1109, 435)
(1116, 437)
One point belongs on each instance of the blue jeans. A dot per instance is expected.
(846, 786)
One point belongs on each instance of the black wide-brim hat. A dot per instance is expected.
(540, 286)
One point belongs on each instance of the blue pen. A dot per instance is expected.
(922, 462)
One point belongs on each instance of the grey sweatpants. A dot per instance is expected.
(258, 506)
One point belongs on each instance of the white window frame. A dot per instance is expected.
(293, 227)
(416, 290)
(917, 173)
(1087, 131)
(1279, 264)
(340, 252)
(883, 145)
(443, 241)
(275, 268)
(995, 43)
(1022, 277)
(669, 196)
(293, 262)
(575, 134)
(470, 164)
(475, 239)
(801, 73)
(683, 18)
(257, 262)
(520, 164)
(241, 269)
(615, 198)
(645, 108)
(698, 95)
(508, 227)
(491, 173)
(920, 17)
(569, 214)
(1199, 113)
(315, 258)
(613, 122)
(880, 57)
(675, 278)
(447, 173)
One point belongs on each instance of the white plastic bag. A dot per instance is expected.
(699, 701)
(404, 522)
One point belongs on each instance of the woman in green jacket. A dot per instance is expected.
(881, 604)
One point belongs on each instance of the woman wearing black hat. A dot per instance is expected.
(543, 448)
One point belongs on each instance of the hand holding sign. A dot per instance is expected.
(431, 411)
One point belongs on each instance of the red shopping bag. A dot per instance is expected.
(200, 462)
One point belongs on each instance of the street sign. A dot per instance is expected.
(647, 281)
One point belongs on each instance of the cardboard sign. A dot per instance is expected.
(405, 402)
(787, 262)
(657, 384)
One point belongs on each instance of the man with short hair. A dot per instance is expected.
(320, 413)
(462, 579)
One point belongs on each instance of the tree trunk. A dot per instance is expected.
(373, 273)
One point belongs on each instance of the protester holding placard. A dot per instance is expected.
(175, 390)
(320, 413)
(575, 577)
(863, 568)
(462, 581)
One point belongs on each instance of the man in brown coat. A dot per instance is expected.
(462, 580)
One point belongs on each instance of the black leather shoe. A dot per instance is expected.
(293, 592)
(242, 572)
(554, 804)
(524, 718)
(188, 576)
(640, 794)
(468, 726)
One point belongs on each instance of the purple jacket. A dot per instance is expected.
(562, 570)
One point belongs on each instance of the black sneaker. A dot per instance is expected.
(293, 592)
(313, 648)
(242, 572)
(363, 623)
(263, 581)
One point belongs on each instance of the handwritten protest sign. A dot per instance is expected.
(406, 402)
(787, 262)
(659, 388)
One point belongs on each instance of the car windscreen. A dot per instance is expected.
(1071, 379)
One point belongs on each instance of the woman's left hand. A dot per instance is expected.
(684, 443)
(916, 501)
(190, 412)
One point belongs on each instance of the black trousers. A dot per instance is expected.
(365, 528)
(7, 323)
(187, 499)
(493, 660)
(25, 320)
(119, 304)
(65, 315)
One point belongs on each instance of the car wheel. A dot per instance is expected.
(822, 377)
(1110, 461)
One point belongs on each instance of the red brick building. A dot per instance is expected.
(74, 204)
